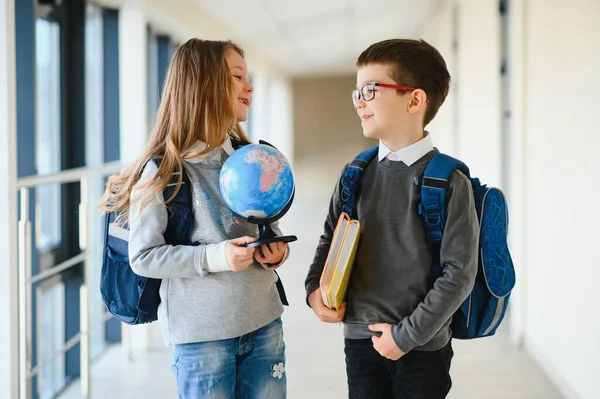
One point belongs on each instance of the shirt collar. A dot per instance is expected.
(200, 146)
(408, 155)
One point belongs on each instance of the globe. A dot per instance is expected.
(257, 183)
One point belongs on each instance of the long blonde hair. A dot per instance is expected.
(198, 103)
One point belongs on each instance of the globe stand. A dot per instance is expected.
(266, 234)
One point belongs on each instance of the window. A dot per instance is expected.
(153, 85)
(51, 338)
(48, 132)
(160, 51)
(166, 48)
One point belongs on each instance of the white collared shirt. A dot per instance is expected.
(408, 155)
(200, 146)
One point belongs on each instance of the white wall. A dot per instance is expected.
(133, 79)
(271, 117)
(469, 120)
(259, 113)
(8, 204)
(517, 188)
(280, 111)
(478, 81)
(554, 49)
(439, 32)
(562, 60)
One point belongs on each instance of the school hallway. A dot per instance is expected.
(490, 368)
(80, 85)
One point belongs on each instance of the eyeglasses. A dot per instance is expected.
(367, 92)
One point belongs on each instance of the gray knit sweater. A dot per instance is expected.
(202, 300)
(390, 278)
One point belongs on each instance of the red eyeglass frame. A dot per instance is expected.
(389, 86)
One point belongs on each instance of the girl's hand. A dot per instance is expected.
(270, 254)
(237, 255)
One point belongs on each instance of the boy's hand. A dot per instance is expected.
(385, 344)
(237, 255)
(315, 300)
(270, 254)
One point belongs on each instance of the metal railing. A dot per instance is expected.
(26, 279)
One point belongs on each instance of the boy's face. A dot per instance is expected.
(385, 115)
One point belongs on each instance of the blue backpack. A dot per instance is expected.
(481, 313)
(134, 299)
(131, 298)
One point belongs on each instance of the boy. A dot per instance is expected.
(396, 328)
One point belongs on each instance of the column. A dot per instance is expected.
(8, 206)
(133, 91)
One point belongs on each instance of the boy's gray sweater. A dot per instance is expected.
(201, 299)
(390, 278)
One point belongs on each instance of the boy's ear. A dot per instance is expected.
(417, 102)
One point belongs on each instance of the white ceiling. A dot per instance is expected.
(308, 37)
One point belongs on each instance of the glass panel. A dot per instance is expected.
(153, 89)
(48, 132)
(51, 339)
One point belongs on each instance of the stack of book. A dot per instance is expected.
(338, 266)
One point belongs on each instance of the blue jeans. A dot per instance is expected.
(248, 367)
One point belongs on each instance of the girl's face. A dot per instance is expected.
(242, 88)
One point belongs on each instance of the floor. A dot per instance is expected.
(490, 368)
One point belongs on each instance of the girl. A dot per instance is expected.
(220, 309)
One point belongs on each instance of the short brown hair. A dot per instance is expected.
(413, 63)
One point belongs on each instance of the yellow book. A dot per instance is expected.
(340, 259)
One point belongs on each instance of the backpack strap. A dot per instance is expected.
(436, 181)
(435, 184)
(181, 217)
(350, 180)
(236, 144)
(179, 228)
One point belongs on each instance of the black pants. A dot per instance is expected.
(417, 375)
